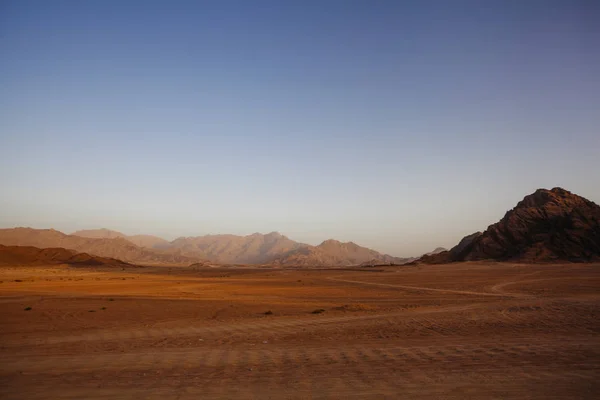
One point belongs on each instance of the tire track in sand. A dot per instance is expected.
(427, 289)
(584, 353)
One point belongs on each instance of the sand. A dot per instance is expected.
(460, 331)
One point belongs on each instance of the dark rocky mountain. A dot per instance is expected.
(548, 225)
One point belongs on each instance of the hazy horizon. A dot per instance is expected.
(400, 126)
(311, 241)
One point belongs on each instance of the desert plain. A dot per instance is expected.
(474, 330)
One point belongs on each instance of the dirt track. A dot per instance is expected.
(455, 332)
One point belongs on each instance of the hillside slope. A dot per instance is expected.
(29, 255)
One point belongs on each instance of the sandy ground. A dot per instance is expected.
(465, 331)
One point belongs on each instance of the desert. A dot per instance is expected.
(292, 200)
(524, 324)
(476, 330)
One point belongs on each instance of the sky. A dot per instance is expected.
(399, 125)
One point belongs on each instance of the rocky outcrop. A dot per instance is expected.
(548, 225)
(454, 254)
(464, 246)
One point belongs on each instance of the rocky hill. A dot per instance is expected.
(116, 247)
(334, 253)
(29, 255)
(548, 225)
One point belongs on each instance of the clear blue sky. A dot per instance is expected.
(400, 125)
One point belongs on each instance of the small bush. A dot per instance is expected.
(28, 308)
(111, 299)
(92, 311)
(318, 311)
(103, 308)
(18, 280)
(269, 312)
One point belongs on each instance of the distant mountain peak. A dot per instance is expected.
(99, 233)
(330, 242)
(436, 251)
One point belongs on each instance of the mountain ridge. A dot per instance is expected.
(255, 249)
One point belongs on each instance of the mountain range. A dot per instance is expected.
(548, 225)
(271, 248)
